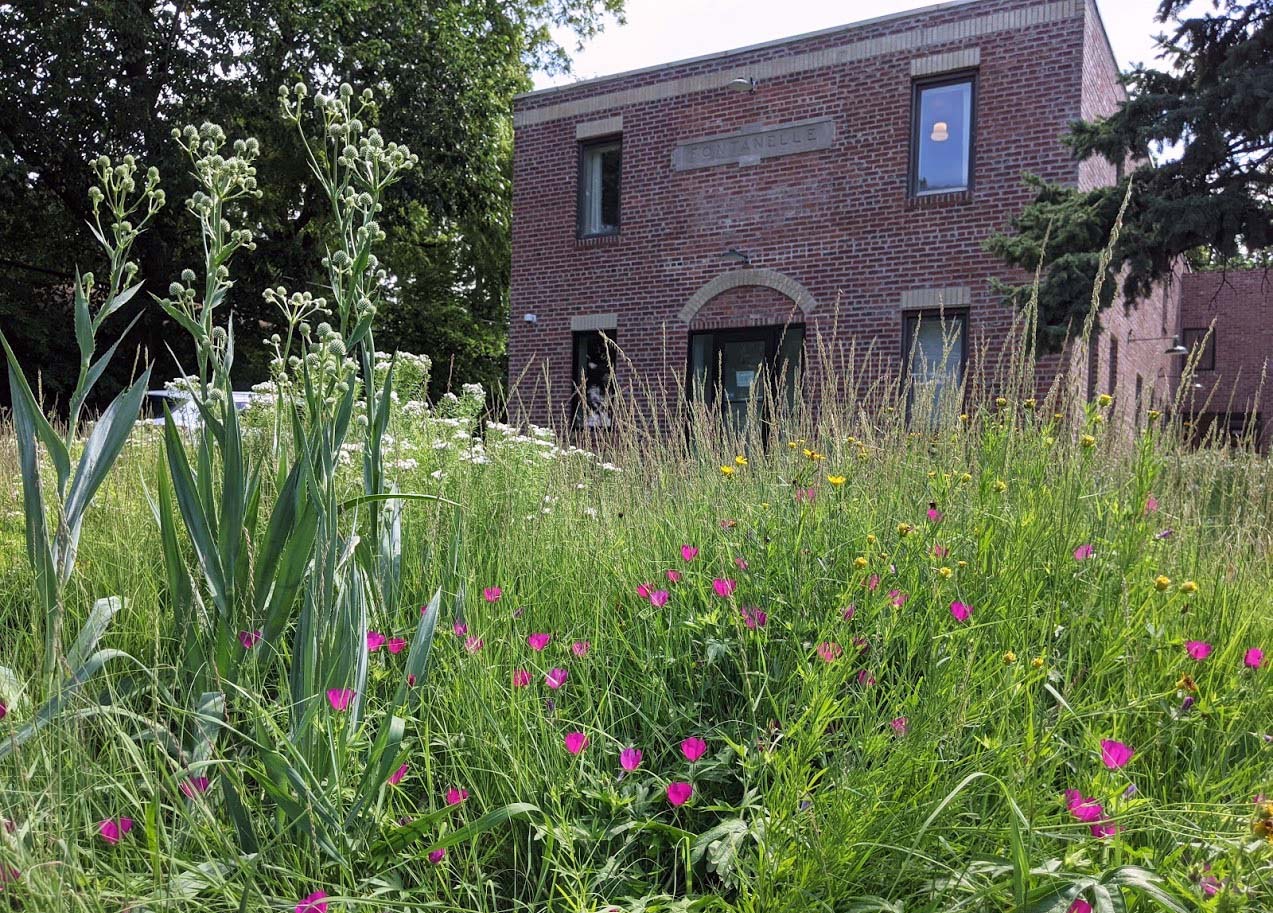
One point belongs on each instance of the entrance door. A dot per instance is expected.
(731, 368)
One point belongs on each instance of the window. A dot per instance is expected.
(1140, 395)
(731, 368)
(934, 347)
(600, 166)
(1197, 336)
(593, 378)
(941, 136)
(1112, 384)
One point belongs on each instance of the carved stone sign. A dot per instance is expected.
(753, 144)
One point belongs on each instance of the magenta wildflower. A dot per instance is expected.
(806, 495)
(556, 677)
(410, 679)
(340, 698)
(375, 640)
(492, 593)
(1254, 658)
(873, 582)
(580, 648)
(1083, 809)
(1151, 505)
(644, 590)
(829, 651)
(741, 564)
(693, 748)
(754, 618)
(865, 678)
(576, 742)
(112, 829)
(249, 639)
(689, 552)
(460, 628)
(192, 786)
(659, 598)
(314, 903)
(521, 678)
(674, 576)
(940, 551)
(396, 777)
(961, 610)
(436, 856)
(934, 515)
(679, 792)
(1103, 829)
(630, 759)
(901, 725)
(4, 710)
(724, 588)
(456, 796)
(1115, 754)
(1083, 552)
(898, 598)
(1198, 649)
(849, 611)
(1079, 906)
(397, 644)
(537, 642)
(474, 644)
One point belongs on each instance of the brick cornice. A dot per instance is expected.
(768, 278)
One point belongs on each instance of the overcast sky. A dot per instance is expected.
(659, 31)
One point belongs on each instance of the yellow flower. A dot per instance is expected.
(1154, 415)
(1030, 403)
(1188, 587)
(727, 471)
(1009, 658)
(870, 537)
(963, 563)
(1001, 485)
(793, 444)
(813, 455)
(740, 460)
(1104, 400)
(1037, 662)
(963, 417)
(837, 481)
(1186, 683)
(1057, 416)
(860, 561)
(904, 529)
(1098, 420)
(1087, 440)
(1161, 582)
(1001, 401)
(965, 477)
(945, 572)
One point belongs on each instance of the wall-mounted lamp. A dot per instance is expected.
(530, 318)
(735, 254)
(742, 84)
(1175, 349)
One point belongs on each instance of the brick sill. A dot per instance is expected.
(939, 200)
(597, 241)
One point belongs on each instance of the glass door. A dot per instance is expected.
(733, 368)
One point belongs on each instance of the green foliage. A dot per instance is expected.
(1207, 114)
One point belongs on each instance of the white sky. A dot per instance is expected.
(660, 31)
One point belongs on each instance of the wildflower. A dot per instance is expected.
(193, 786)
(1154, 415)
(945, 572)
(727, 471)
(474, 644)
(940, 551)
(112, 829)
(1161, 582)
(492, 593)
(673, 576)
(934, 515)
(829, 651)
(848, 612)
(375, 640)
(249, 639)
(1104, 400)
(576, 742)
(314, 903)
(741, 563)
(904, 529)
(340, 698)
(836, 481)
(459, 629)
(556, 677)
(679, 792)
(1189, 587)
(397, 644)
(1198, 649)
(1079, 906)
(1254, 658)
(688, 553)
(1029, 403)
(1083, 552)
(1037, 662)
(436, 856)
(630, 759)
(1186, 683)
(1009, 658)
(659, 598)
(961, 610)
(900, 725)
(813, 455)
(396, 777)
(1001, 486)
(521, 678)
(872, 582)
(693, 748)
(724, 588)
(456, 796)
(860, 562)
(1103, 829)
(1151, 505)
(410, 679)
(1115, 754)
(580, 648)
(644, 589)
(1001, 401)
(754, 618)
(740, 460)
(897, 598)
(870, 538)
(963, 417)
(1086, 810)
(538, 641)
(865, 678)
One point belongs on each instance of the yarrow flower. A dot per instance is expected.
(693, 748)
(679, 792)
(630, 759)
(1115, 754)
(576, 742)
(113, 829)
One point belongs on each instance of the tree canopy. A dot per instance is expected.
(87, 77)
(1208, 114)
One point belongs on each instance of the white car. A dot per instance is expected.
(185, 414)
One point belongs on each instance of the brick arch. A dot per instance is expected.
(769, 278)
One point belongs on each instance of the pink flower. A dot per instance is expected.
(861, 644)
(375, 640)
(1103, 829)
(396, 777)
(754, 618)
(410, 679)
(339, 698)
(693, 748)
(8, 875)
(658, 598)
(865, 678)
(689, 552)
(724, 588)
(679, 792)
(1115, 754)
(961, 610)
(474, 644)
(940, 551)
(873, 582)
(1083, 552)
(556, 677)
(456, 796)
(192, 786)
(829, 651)
(4, 710)
(1198, 649)
(314, 903)
(460, 628)
(397, 644)
(580, 648)
(740, 563)
(900, 725)
(674, 576)
(521, 678)
(112, 829)
(1151, 505)
(249, 639)
(576, 742)
(538, 641)
(1079, 906)
(805, 495)
(630, 759)
(934, 515)
(1083, 809)
(644, 590)
(436, 856)
(1254, 658)
(848, 612)
(492, 593)
(898, 598)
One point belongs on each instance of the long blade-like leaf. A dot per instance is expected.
(95, 626)
(22, 397)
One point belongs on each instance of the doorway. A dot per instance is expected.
(739, 368)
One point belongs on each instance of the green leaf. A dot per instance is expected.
(95, 626)
(115, 304)
(193, 513)
(398, 840)
(23, 399)
(96, 370)
(83, 322)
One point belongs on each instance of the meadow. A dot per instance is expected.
(347, 650)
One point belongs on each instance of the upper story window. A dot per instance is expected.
(600, 168)
(1192, 337)
(941, 135)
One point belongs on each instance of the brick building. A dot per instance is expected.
(720, 219)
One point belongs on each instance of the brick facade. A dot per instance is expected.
(830, 237)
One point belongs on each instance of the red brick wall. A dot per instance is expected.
(838, 221)
(1239, 303)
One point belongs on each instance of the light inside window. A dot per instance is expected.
(944, 137)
